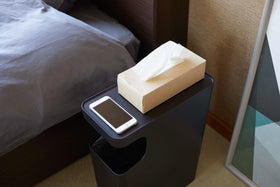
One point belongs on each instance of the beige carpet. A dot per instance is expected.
(210, 172)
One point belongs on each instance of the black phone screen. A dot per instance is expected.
(115, 115)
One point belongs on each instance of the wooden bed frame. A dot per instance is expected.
(153, 22)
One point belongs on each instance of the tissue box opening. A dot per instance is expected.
(145, 95)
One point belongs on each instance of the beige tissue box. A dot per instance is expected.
(145, 95)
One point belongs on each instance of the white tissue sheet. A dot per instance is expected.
(160, 60)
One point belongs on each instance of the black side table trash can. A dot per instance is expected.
(161, 150)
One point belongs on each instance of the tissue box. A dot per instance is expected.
(145, 95)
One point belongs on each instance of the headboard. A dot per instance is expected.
(152, 21)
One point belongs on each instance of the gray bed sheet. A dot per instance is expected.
(49, 63)
(89, 13)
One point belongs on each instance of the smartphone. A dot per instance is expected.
(113, 114)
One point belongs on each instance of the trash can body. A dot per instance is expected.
(173, 134)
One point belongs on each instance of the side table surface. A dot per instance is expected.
(124, 139)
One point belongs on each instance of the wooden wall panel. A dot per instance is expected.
(171, 21)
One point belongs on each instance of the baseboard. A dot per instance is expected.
(219, 126)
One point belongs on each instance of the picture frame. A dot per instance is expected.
(257, 56)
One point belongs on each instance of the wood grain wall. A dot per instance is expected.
(224, 33)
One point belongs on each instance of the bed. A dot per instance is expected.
(65, 140)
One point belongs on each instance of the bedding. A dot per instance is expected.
(49, 62)
(87, 11)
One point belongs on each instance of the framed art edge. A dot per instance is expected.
(247, 91)
(241, 176)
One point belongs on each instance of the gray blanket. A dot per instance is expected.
(49, 63)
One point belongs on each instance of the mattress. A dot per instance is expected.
(89, 13)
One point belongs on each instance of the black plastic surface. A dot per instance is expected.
(119, 160)
(173, 133)
(132, 134)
